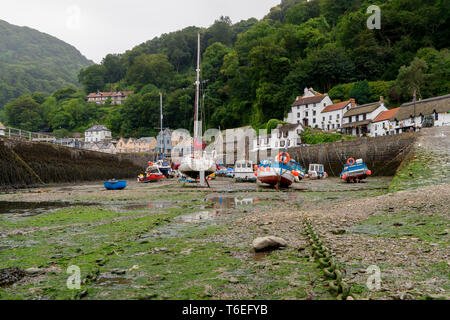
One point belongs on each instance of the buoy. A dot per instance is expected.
(344, 177)
(369, 172)
(256, 174)
(295, 173)
(285, 156)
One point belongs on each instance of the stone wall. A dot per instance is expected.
(25, 163)
(383, 155)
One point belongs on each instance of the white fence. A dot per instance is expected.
(39, 137)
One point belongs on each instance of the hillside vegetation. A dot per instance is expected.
(253, 70)
(33, 61)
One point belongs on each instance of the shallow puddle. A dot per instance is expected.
(35, 208)
(109, 280)
(231, 202)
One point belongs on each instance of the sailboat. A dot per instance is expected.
(162, 164)
(199, 161)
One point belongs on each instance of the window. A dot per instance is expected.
(314, 112)
(338, 125)
(314, 120)
(331, 117)
(436, 116)
(323, 119)
(306, 113)
(298, 115)
(324, 104)
(357, 118)
(364, 116)
(338, 116)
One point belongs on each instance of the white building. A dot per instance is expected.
(284, 136)
(115, 97)
(357, 120)
(411, 115)
(97, 134)
(164, 141)
(333, 115)
(381, 125)
(307, 108)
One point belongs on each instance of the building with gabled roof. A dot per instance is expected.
(116, 97)
(332, 115)
(97, 133)
(381, 125)
(306, 109)
(357, 120)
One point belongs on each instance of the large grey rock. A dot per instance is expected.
(268, 243)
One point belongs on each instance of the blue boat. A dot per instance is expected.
(115, 184)
(355, 171)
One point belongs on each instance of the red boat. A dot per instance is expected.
(152, 174)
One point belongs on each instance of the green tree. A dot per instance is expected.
(153, 68)
(23, 113)
(93, 78)
(361, 92)
(412, 78)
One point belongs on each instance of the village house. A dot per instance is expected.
(287, 136)
(333, 115)
(115, 97)
(306, 110)
(164, 141)
(182, 145)
(133, 145)
(262, 142)
(411, 115)
(357, 120)
(103, 146)
(284, 136)
(381, 125)
(97, 134)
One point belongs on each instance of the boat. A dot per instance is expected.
(229, 173)
(152, 174)
(114, 184)
(164, 167)
(355, 170)
(316, 172)
(199, 164)
(278, 173)
(300, 171)
(243, 171)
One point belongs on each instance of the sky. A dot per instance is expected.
(99, 27)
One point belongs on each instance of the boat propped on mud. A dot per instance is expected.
(152, 174)
(278, 173)
(355, 170)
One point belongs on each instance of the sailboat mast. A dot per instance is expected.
(197, 91)
(162, 128)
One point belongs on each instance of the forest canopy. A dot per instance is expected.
(253, 70)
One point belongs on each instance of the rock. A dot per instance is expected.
(398, 224)
(118, 271)
(409, 286)
(33, 271)
(268, 243)
(10, 275)
(350, 298)
(233, 280)
(338, 231)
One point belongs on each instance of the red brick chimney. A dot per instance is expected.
(353, 102)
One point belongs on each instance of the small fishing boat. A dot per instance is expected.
(243, 171)
(316, 172)
(152, 174)
(114, 184)
(300, 171)
(355, 171)
(164, 167)
(230, 173)
(278, 173)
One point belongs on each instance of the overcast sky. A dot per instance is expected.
(99, 27)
